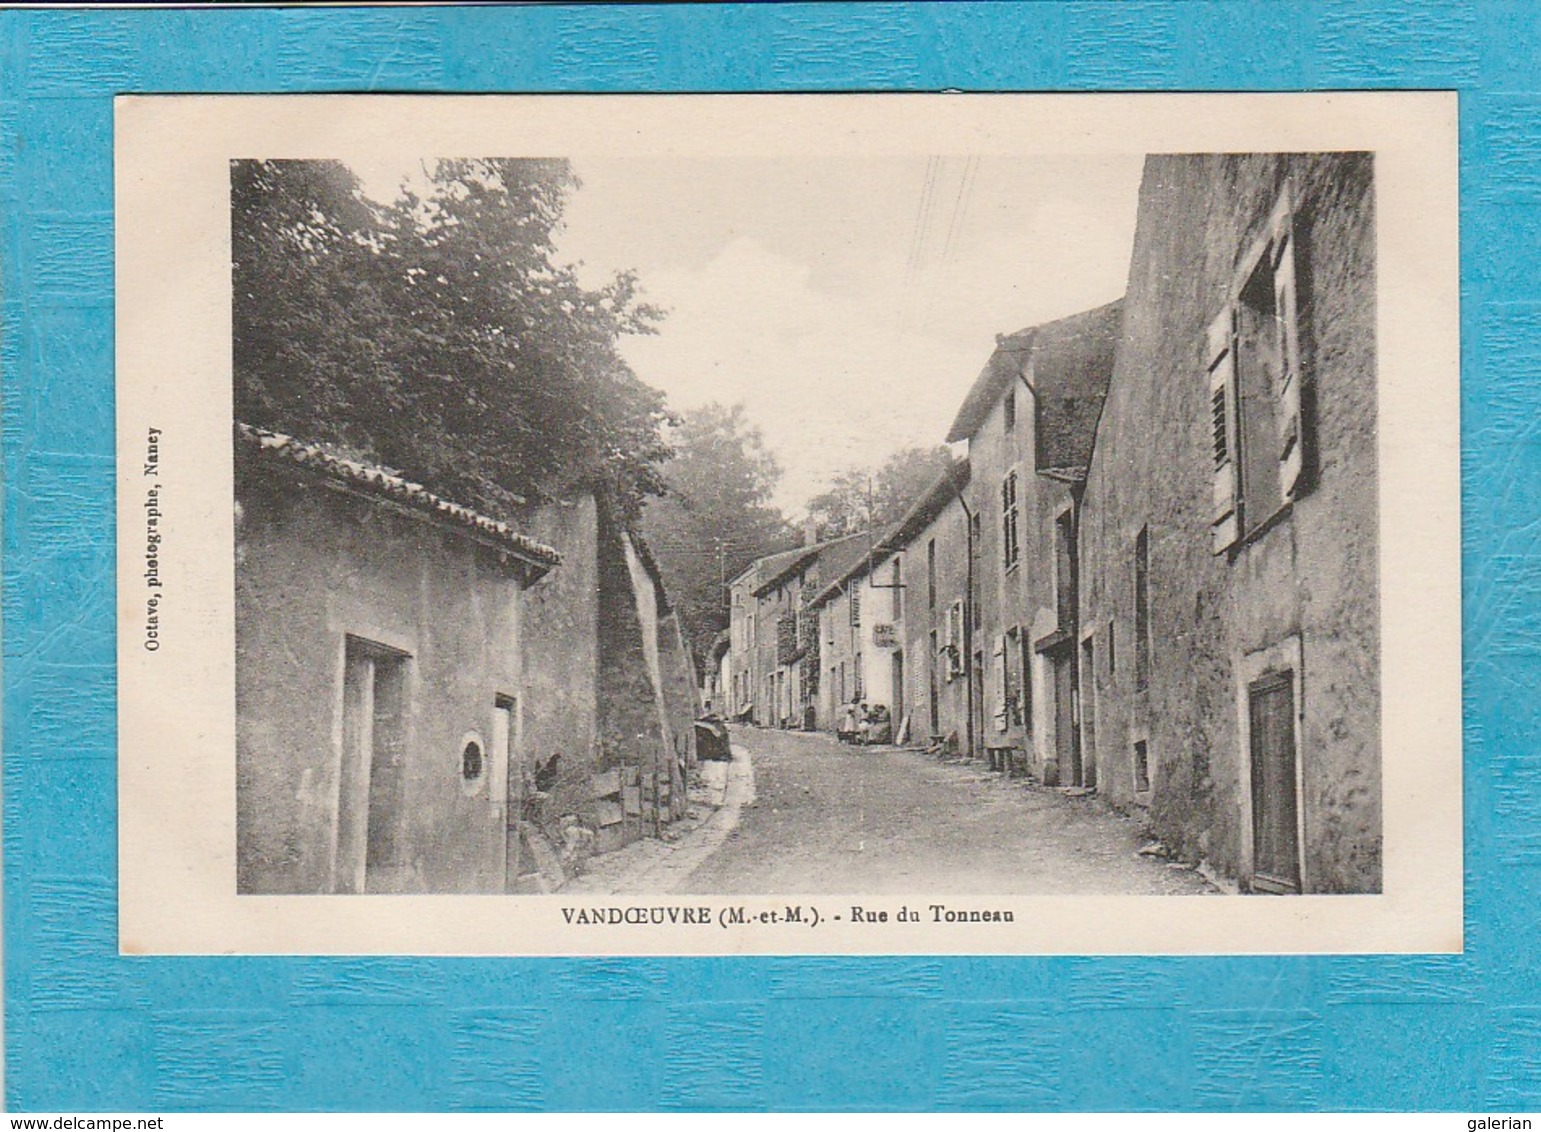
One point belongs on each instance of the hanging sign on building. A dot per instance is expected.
(885, 635)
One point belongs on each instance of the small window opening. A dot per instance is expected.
(472, 761)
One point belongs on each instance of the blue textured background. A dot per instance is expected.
(87, 1029)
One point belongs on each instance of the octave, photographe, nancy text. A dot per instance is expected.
(152, 541)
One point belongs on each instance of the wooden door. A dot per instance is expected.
(1086, 698)
(898, 707)
(1067, 747)
(931, 704)
(1275, 809)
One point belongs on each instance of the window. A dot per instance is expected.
(1013, 675)
(931, 574)
(472, 760)
(976, 535)
(954, 642)
(1255, 377)
(1010, 548)
(1141, 766)
(1112, 649)
(897, 606)
(1142, 609)
(1011, 409)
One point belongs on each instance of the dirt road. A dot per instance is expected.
(832, 818)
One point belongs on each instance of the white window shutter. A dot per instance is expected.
(1220, 357)
(998, 663)
(1291, 433)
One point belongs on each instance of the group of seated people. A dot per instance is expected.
(862, 725)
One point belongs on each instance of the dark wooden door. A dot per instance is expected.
(898, 712)
(1067, 746)
(1086, 695)
(1275, 843)
(931, 703)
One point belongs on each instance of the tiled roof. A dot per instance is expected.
(1072, 361)
(930, 504)
(778, 567)
(870, 552)
(898, 536)
(374, 480)
(1072, 368)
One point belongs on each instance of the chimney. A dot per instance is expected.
(810, 531)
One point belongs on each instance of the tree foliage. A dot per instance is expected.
(715, 516)
(437, 334)
(880, 495)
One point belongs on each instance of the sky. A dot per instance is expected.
(848, 304)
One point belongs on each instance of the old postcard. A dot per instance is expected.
(788, 524)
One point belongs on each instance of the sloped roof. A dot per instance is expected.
(929, 505)
(776, 568)
(370, 479)
(1072, 367)
(1071, 360)
(1004, 366)
(898, 536)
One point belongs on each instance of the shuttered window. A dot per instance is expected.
(1000, 680)
(1225, 520)
(1257, 428)
(1010, 546)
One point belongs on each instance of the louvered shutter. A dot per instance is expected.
(998, 668)
(1291, 431)
(1225, 521)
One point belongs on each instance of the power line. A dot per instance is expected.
(960, 205)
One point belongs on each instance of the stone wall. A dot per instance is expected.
(561, 658)
(1307, 582)
(949, 531)
(316, 569)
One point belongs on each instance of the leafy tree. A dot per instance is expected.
(880, 495)
(715, 516)
(437, 334)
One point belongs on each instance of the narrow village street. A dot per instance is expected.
(827, 817)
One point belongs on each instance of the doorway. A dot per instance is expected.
(508, 787)
(370, 803)
(898, 712)
(1086, 696)
(1067, 746)
(1275, 808)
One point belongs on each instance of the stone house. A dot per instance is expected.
(930, 543)
(424, 703)
(379, 671)
(773, 668)
(1229, 601)
(791, 656)
(743, 644)
(860, 618)
(1030, 422)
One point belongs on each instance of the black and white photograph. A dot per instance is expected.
(919, 530)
